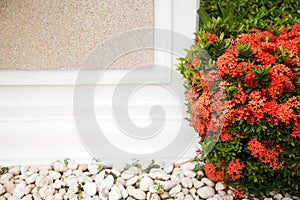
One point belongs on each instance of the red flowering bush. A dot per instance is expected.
(247, 106)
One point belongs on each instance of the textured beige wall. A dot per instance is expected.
(60, 34)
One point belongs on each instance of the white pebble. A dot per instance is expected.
(179, 196)
(2, 189)
(46, 191)
(206, 192)
(188, 197)
(115, 193)
(132, 181)
(9, 187)
(54, 175)
(60, 167)
(90, 188)
(24, 169)
(72, 165)
(158, 174)
(220, 186)
(19, 190)
(107, 183)
(278, 196)
(138, 194)
(189, 173)
(15, 171)
(207, 182)
(187, 183)
(175, 190)
(169, 168)
(145, 183)
(32, 178)
(41, 181)
(5, 177)
(123, 191)
(93, 168)
(198, 184)
(27, 197)
(58, 196)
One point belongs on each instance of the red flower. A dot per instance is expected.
(225, 136)
(266, 156)
(238, 193)
(210, 37)
(234, 169)
(212, 173)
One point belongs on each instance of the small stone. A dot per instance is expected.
(90, 188)
(165, 195)
(41, 181)
(179, 196)
(198, 184)
(268, 198)
(188, 197)
(132, 181)
(54, 175)
(2, 189)
(145, 183)
(153, 197)
(200, 174)
(57, 184)
(15, 171)
(207, 182)
(60, 167)
(9, 187)
(107, 183)
(130, 189)
(221, 193)
(187, 183)
(175, 190)
(44, 170)
(193, 191)
(168, 168)
(46, 191)
(5, 177)
(128, 174)
(116, 172)
(67, 173)
(287, 198)
(189, 173)
(29, 188)
(27, 197)
(19, 190)
(72, 165)
(123, 191)
(220, 186)
(170, 184)
(206, 192)
(82, 167)
(24, 169)
(138, 194)
(230, 192)
(227, 197)
(32, 178)
(185, 191)
(115, 193)
(93, 168)
(277, 196)
(120, 181)
(158, 174)
(32, 170)
(58, 196)
(153, 189)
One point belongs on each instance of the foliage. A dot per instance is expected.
(253, 88)
(229, 18)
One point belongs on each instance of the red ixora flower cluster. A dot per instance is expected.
(266, 156)
(212, 173)
(234, 169)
